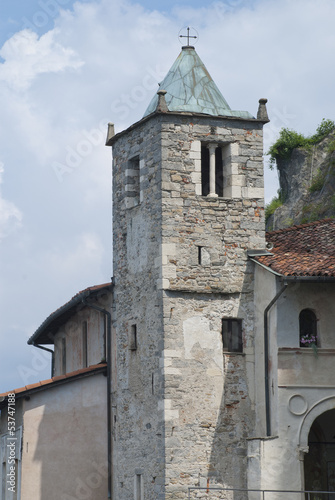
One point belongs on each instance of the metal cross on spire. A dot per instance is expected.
(188, 36)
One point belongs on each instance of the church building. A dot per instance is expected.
(211, 353)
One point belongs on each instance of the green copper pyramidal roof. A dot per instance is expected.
(189, 87)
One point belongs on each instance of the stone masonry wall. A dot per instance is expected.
(224, 228)
(139, 427)
(183, 408)
(208, 393)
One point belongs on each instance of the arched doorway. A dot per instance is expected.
(319, 463)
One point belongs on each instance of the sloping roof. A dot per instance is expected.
(306, 250)
(190, 88)
(44, 333)
(53, 382)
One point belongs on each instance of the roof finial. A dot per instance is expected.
(161, 105)
(188, 36)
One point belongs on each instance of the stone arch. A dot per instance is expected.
(316, 410)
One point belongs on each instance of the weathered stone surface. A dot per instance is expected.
(296, 177)
(182, 406)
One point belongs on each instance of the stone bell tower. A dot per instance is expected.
(187, 205)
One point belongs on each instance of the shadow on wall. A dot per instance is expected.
(68, 460)
(319, 463)
(235, 423)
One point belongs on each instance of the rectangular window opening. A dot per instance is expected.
(218, 172)
(63, 355)
(103, 330)
(133, 182)
(199, 255)
(205, 171)
(84, 338)
(133, 338)
(138, 487)
(232, 335)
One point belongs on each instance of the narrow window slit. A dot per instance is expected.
(133, 337)
(199, 255)
(84, 331)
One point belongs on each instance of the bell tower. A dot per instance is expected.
(187, 205)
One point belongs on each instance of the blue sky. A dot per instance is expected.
(67, 69)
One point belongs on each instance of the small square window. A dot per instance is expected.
(232, 335)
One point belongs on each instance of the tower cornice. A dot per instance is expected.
(170, 114)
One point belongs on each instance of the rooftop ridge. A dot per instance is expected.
(300, 226)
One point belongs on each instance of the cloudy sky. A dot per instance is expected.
(68, 68)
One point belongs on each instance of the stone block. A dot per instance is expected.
(163, 284)
(196, 177)
(170, 353)
(233, 191)
(251, 192)
(169, 272)
(168, 249)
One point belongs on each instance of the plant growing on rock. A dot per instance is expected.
(290, 139)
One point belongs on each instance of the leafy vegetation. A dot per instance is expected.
(331, 146)
(313, 212)
(325, 127)
(321, 176)
(318, 182)
(289, 140)
(276, 202)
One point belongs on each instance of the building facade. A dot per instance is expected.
(206, 368)
(59, 450)
(188, 203)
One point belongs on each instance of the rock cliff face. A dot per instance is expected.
(307, 184)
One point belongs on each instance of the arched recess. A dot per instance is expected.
(317, 442)
(315, 411)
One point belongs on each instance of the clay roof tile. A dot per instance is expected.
(302, 250)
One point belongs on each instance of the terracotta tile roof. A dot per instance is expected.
(47, 384)
(304, 250)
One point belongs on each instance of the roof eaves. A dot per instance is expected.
(309, 279)
(115, 137)
(53, 382)
(73, 303)
(265, 267)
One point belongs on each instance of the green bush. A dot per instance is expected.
(325, 127)
(272, 206)
(331, 146)
(317, 182)
(289, 140)
(283, 147)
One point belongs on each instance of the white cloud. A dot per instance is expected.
(10, 215)
(76, 261)
(27, 56)
(101, 63)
